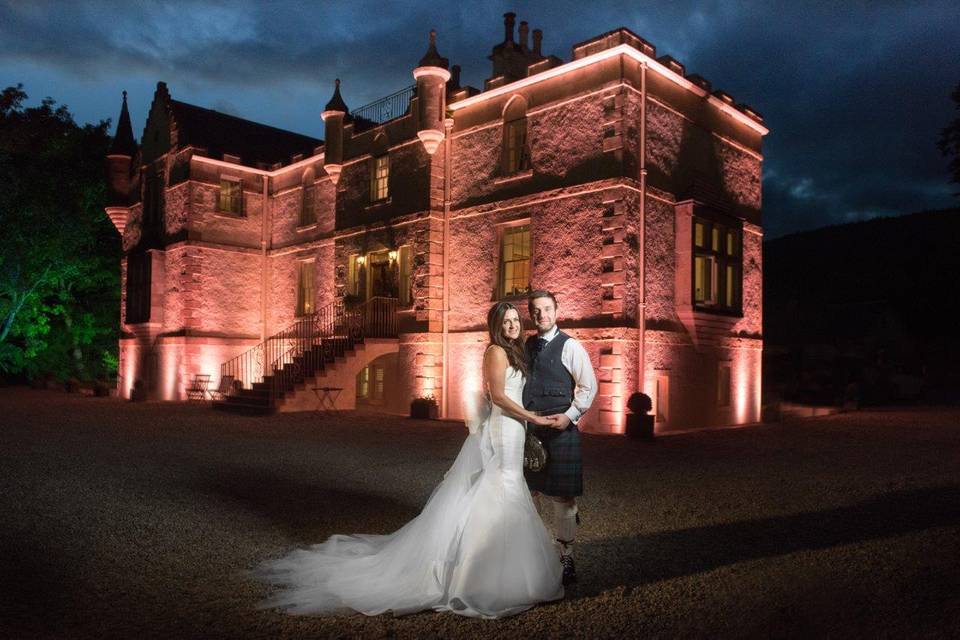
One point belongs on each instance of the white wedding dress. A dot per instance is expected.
(478, 548)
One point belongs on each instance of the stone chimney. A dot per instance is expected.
(455, 76)
(537, 41)
(524, 30)
(508, 19)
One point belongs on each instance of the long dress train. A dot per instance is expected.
(478, 548)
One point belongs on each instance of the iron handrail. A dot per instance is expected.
(308, 344)
(387, 107)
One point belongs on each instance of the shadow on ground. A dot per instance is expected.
(307, 512)
(635, 561)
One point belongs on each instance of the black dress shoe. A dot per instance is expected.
(569, 570)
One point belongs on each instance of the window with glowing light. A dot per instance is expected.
(717, 265)
(230, 198)
(305, 288)
(370, 384)
(516, 155)
(357, 276)
(380, 178)
(514, 261)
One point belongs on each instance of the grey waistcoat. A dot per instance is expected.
(549, 385)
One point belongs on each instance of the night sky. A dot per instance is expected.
(854, 97)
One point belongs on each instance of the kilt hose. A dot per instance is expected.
(563, 474)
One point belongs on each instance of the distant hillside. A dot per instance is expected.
(863, 300)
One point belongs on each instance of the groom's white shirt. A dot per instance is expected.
(576, 360)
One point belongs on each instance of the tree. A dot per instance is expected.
(950, 141)
(59, 254)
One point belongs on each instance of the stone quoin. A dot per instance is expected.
(615, 179)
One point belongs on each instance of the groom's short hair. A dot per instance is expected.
(540, 293)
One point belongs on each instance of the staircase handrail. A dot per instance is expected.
(330, 327)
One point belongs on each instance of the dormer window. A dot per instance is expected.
(230, 199)
(516, 154)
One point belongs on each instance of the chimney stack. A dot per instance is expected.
(455, 76)
(508, 26)
(524, 29)
(537, 39)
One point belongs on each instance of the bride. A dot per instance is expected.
(477, 549)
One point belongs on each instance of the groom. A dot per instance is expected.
(561, 384)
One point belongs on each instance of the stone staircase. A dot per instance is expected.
(312, 347)
(264, 397)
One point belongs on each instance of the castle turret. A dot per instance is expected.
(333, 116)
(431, 76)
(119, 160)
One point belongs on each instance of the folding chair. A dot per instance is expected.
(223, 389)
(197, 390)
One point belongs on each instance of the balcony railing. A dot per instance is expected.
(386, 108)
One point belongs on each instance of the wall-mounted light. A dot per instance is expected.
(361, 260)
(392, 255)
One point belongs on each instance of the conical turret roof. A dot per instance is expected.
(336, 102)
(123, 141)
(432, 57)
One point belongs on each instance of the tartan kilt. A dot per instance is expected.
(563, 474)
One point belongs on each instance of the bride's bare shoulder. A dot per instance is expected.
(495, 351)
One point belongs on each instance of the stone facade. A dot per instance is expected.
(624, 156)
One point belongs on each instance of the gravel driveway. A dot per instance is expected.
(123, 520)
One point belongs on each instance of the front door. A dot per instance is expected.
(383, 276)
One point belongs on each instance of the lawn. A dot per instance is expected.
(141, 520)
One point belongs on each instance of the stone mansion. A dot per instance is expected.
(362, 265)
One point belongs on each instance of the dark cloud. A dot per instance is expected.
(854, 92)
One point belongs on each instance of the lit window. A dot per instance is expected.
(515, 261)
(357, 276)
(370, 384)
(305, 288)
(516, 156)
(698, 234)
(717, 268)
(363, 384)
(703, 287)
(230, 199)
(380, 178)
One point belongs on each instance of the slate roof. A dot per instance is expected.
(254, 143)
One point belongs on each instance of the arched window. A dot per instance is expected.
(516, 154)
(308, 205)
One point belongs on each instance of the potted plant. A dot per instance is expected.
(639, 420)
(424, 408)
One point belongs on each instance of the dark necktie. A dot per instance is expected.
(541, 344)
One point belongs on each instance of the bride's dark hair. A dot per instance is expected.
(514, 348)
